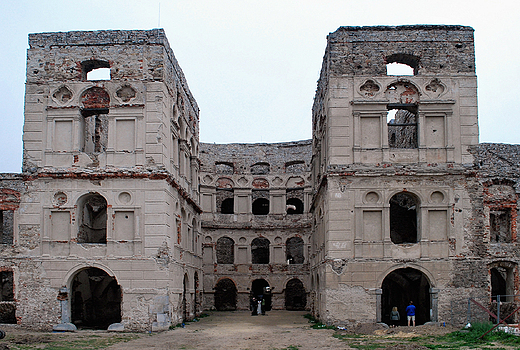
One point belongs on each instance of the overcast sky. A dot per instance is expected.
(252, 66)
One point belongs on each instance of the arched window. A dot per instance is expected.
(261, 206)
(260, 250)
(224, 168)
(260, 168)
(403, 218)
(92, 219)
(294, 250)
(95, 70)
(225, 251)
(402, 64)
(295, 167)
(294, 206)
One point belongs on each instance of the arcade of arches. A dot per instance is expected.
(225, 294)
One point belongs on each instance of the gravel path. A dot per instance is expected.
(240, 330)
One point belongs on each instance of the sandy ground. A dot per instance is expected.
(277, 330)
(231, 330)
(240, 330)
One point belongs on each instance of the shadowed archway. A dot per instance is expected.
(402, 286)
(95, 299)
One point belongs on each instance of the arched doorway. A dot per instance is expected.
(402, 286)
(261, 289)
(295, 295)
(95, 299)
(185, 298)
(225, 295)
(196, 294)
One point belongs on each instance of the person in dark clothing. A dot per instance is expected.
(394, 317)
(253, 306)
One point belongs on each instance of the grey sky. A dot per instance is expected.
(252, 66)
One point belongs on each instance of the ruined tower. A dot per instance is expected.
(112, 167)
(390, 198)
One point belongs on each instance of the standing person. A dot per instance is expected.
(263, 305)
(259, 305)
(410, 313)
(253, 306)
(394, 316)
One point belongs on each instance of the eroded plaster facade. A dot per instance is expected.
(121, 218)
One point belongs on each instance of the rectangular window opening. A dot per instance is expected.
(6, 226)
(402, 126)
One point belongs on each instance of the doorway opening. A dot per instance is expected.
(261, 290)
(95, 299)
(225, 295)
(295, 295)
(402, 286)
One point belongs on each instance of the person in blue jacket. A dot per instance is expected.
(410, 313)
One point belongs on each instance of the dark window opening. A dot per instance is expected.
(295, 295)
(228, 205)
(403, 218)
(7, 302)
(294, 206)
(261, 206)
(502, 281)
(260, 169)
(294, 250)
(93, 219)
(402, 126)
(95, 70)
(260, 250)
(95, 299)
(225, 251)
(500, 226)
(225, 295)
(6, 226)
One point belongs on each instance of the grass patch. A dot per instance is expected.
(316, 324)
(471, 337)
(459, 340)
(64, 343)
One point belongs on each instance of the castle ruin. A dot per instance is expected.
(122, 219)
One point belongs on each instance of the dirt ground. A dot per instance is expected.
(223, 330)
